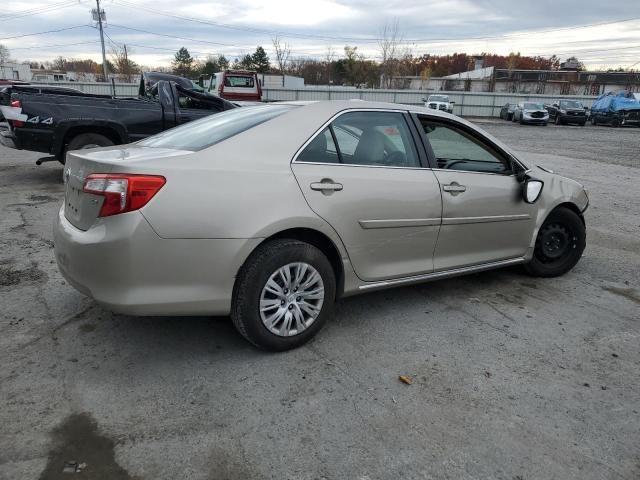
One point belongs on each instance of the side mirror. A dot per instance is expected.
(531, 189)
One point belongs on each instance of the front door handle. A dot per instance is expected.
(454, 188)
(326, 185)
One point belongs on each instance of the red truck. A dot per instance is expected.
(236, 85)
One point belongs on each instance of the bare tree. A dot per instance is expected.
(283, 51)
(123, 64)
(329, 58)
(389, 45)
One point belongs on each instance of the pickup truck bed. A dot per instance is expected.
(53, 123)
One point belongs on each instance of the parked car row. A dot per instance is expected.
(614, 109)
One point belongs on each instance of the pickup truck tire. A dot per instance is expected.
(88, 140)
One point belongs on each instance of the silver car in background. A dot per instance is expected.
(271, 213)
(530, 113)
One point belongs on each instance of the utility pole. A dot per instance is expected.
(97, 15)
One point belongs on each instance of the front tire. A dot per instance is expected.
(559, 244)
(284, 293)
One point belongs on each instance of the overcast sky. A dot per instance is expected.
(583, 28)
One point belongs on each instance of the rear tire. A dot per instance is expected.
(559, 244)
(86, 140)
(615, 123)
(267, 315)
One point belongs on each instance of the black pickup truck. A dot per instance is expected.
(54, 123)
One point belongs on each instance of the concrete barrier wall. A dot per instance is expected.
(467, 104)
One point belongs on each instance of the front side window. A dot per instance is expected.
(213, 129)
(456, 149)
(364, 138)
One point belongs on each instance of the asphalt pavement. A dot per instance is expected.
(513, 377)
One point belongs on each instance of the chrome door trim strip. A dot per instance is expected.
(440, 275)
(360, 166)
(399, 223)
(487, 219)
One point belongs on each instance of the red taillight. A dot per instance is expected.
(122, 193)
(16, 104)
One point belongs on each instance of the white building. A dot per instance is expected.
(15, 71)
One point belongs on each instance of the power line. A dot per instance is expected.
(42, 33)
(58, 45)
(172, 36)
(36, 11)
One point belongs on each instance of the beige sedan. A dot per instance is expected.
(271, 213)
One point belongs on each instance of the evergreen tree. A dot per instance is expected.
(182, 62)
(260, 60)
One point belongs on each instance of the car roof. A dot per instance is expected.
(326, 109)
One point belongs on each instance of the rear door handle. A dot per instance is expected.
(454, 188)
(326, 186)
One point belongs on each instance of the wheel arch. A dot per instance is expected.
(570, 206)
(318, 239)
(66, 132)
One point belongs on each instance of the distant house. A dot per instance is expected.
(50, 76)
(15, 71)
(538, 82)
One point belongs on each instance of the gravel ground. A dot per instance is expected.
(514, 377)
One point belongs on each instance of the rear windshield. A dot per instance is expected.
(215, 128)
(246, 82)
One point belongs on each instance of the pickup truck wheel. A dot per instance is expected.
(88, 140)
(559, 244)
(283, 294)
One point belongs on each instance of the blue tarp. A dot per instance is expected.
(615, 103)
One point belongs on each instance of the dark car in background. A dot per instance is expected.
(567, 111)
(506, 112)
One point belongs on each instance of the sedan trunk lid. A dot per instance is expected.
(81, 208)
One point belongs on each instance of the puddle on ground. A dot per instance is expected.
(80, 451)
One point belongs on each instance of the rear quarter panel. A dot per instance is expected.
(242, 187)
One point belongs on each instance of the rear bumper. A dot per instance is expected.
(127, 268)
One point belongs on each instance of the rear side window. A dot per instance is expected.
(364, 138)
(215, 128)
